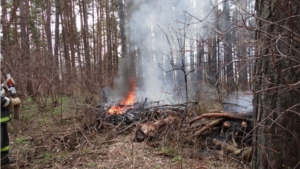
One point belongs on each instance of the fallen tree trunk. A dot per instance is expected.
(150, 129)
(209, 126)
(221, 115)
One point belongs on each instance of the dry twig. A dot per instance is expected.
(221, 115)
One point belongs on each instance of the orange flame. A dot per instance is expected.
(128, 101)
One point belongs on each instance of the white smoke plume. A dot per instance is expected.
(239, 102)
(151, 23)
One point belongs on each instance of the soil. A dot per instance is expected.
(75, 140)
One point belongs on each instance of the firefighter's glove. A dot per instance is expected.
(14, 102)
(8, 82)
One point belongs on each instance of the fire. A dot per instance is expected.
(123, 105)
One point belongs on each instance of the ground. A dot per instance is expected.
(68, 137)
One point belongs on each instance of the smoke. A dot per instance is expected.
(239, 102)
(124, 82)
(152, 25)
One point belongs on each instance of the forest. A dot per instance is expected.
(153, 83)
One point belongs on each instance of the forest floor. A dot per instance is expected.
(66, 136)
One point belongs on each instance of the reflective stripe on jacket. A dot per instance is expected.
(5, 119)
(5, 103)
(6, 148)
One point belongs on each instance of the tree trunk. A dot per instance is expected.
(242, 53)
(121, 13)
(73, 39)
(100, 41)
(85, 36)
(276, 101)
(65, 39)
(56, 47)
(192, 63)
(200, 53)
(114, 39)
(228, 50)
(49, 59)
(4, 39)
(25, 44)
(108, 37)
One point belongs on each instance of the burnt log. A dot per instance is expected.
(212, 124)
(235, 129)
(150, 129)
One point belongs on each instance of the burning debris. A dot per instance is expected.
(137, 112)
(227, 131)
(126, 103)
(153, 121)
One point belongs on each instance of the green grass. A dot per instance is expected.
(46, 157)
(177, 158)
(45, 106)
(156, 167)
(91, 165)
(167, 150)
(21, 140)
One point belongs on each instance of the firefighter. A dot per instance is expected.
(6, 104)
